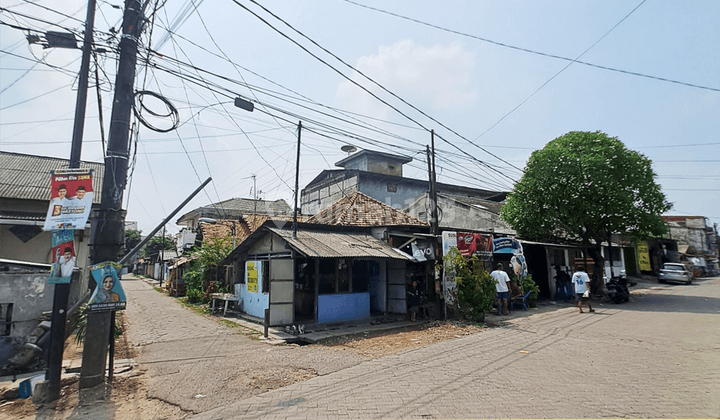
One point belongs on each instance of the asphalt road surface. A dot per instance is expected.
(657, 356)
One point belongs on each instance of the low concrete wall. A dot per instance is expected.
(30, 294)
(343, 307)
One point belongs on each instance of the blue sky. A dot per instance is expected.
(495, 103)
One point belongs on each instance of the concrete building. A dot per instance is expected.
(377, 175)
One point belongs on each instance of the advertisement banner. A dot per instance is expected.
(71, 199)
(506, 246)
(449, 239)
(643, 257)
(466, 243)
(109, 294)
(252, 277)
(63, 256)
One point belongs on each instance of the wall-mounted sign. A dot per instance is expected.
(71, 199)
(63, 253)
(252, 276)
(109, 294)
(643, 257)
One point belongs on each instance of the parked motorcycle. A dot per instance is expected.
(617, 290)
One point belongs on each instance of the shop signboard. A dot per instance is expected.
(71, 199)
(109, 294)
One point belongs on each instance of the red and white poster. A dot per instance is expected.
(475, 244)
(71, 199)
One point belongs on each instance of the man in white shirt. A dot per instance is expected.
(501, 287)
(581, 281)
(67, 263)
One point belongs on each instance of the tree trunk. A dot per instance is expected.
(596, 282)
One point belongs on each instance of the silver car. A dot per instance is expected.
(675, 272)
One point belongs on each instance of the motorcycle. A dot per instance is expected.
(617, 289)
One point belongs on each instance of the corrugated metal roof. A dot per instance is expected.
(491, 206)
(250, 206)
(321, 244)
(358, 209)
(27, 177)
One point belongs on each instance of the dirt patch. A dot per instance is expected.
(126, 399)
(424, 335)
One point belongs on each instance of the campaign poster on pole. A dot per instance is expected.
(63, 256)
(109, 294)
(71, 197)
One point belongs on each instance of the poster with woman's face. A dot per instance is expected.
(109, 294)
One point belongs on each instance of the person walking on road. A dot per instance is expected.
(501, 287)
(581, 281)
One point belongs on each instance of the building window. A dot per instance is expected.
(392, 188)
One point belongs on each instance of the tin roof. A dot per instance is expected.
(335, 244)
(27, 177)
(358, 209)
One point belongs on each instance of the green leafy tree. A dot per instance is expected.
(132, 238)
(587, 186)
(199, 278)
(157, 244)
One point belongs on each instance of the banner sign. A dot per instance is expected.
(643, 257)
(63, 254)
(109, 294)
(71, 199)
(475, 244)
(449, 240)
(506, 246)
(252, 277)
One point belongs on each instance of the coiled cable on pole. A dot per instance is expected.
(139, 107)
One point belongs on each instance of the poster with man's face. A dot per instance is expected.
(71, 196)
(63, 256)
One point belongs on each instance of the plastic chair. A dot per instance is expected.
(520, 301)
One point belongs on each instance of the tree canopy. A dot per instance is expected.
(587, 186)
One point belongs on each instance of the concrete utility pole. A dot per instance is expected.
(62, 290)
(297, 182)
(109, 230)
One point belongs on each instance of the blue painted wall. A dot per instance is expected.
(343, 307)
(254, 303)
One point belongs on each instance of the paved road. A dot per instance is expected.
(657, 356)
(197, 364)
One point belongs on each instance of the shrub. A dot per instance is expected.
(475, 288)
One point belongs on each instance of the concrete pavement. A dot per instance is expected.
(657, 356)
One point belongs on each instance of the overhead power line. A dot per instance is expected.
(527, 50)
(370, 80)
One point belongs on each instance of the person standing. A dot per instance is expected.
(501, 287)
(413, 300)
(581, 281)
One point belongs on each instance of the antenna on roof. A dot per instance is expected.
(348, 148)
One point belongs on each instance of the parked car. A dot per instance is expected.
(675, 272)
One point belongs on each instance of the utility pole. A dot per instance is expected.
(62, 291)
(109, 231)
(434, 222)
(297, 182)
(162, 259)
